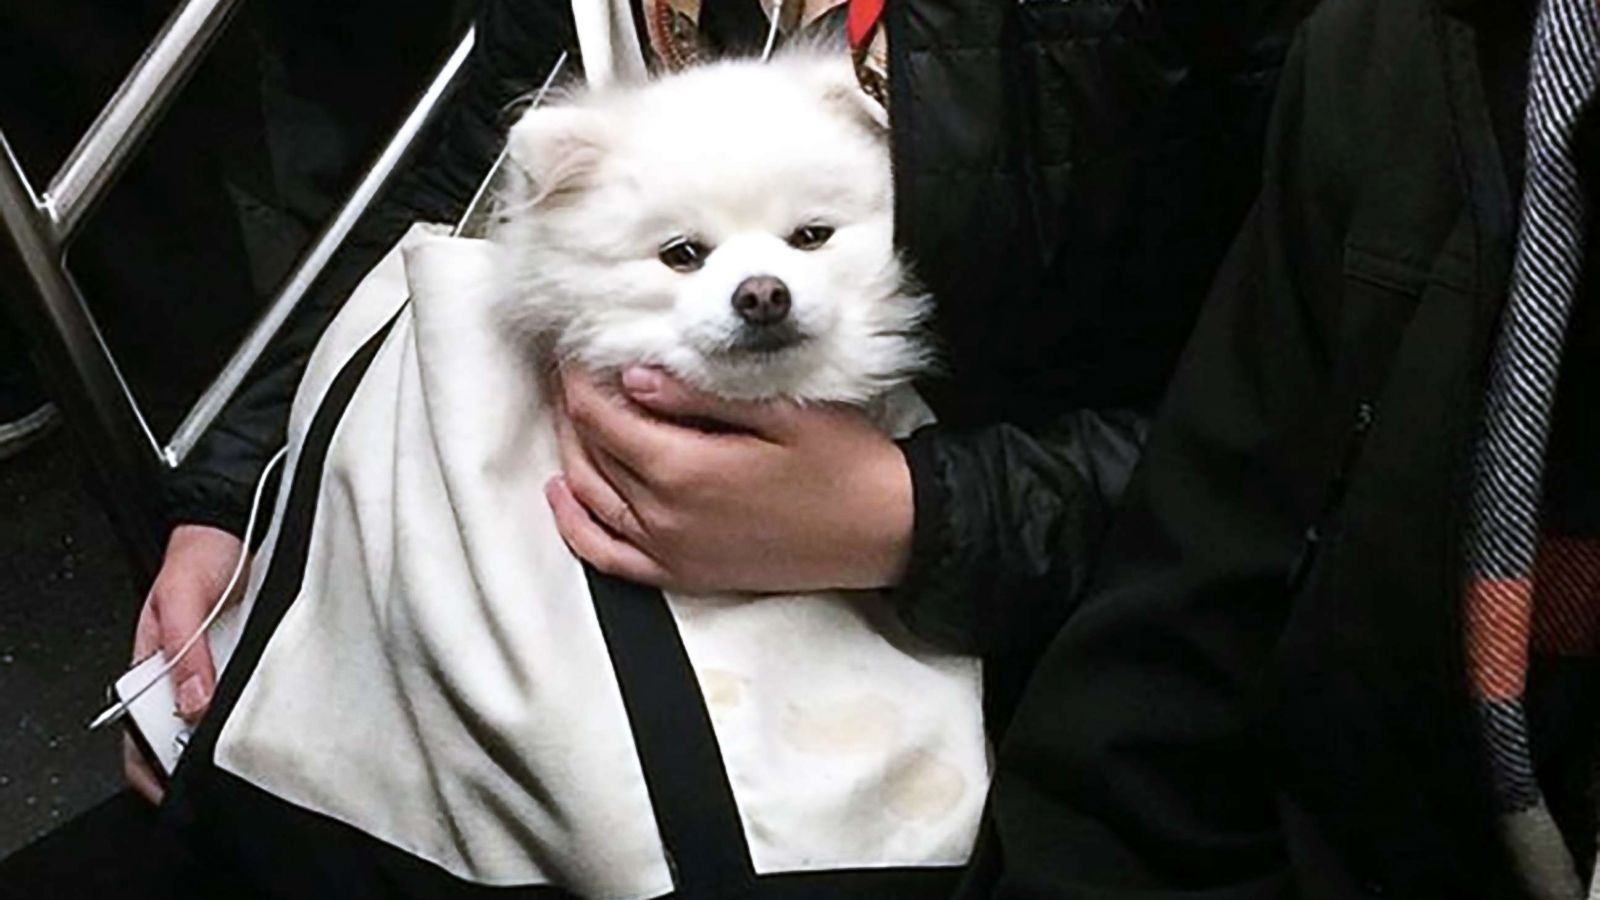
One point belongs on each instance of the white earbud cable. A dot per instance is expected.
(481, 195)
(772, 30)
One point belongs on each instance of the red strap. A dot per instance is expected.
(863, 17)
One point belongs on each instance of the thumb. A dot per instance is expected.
(180, 612)
(670, 398)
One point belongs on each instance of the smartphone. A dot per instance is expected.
(152, 720)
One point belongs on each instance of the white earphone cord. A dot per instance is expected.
(481, 195)
(772, 30)
(118, 710)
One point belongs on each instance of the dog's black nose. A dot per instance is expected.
(761, 300)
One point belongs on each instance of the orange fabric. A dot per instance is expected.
(1499, 613)
(1566, 596)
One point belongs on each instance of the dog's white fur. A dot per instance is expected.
(736, 155)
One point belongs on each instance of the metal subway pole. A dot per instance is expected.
(123, 457)
(128, 116)
(77, 370)
(316, 259)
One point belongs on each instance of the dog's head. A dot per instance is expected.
(732, 223)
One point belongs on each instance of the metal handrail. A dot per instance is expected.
(310, 267)
(125, 459)
(127, 117)
(76, 367)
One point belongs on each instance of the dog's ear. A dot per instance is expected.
(557, 148)
(835, 78)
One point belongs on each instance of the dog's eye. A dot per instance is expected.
(683, 254)
(810, 237)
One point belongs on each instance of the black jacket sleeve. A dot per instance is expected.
(518, 44)
(1010, 515)
(1132, 768)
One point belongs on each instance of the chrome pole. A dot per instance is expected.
(80, 373)
(132, 110)
(227, 383)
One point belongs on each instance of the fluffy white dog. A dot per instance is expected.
(448, 679)
(732, 223)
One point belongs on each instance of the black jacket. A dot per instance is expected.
(1068, 175)
(1264, 694)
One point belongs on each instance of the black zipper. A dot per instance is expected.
(1333, 495)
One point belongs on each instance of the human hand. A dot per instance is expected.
(198, 563)
(759, 496)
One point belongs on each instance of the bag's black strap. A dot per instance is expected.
(683, 768)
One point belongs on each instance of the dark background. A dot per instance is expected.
(293, 101)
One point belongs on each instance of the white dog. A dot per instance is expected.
(732, 224)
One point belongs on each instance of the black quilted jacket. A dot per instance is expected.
(1069, 173)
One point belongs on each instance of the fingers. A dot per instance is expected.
(197, 567)
(137, 772)
(666, 396)
(180, 610)
(592, 488)
(596, 546)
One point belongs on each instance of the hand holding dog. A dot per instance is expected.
(672, 487)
